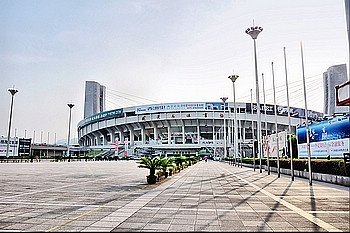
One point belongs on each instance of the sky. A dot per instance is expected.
(158, 51)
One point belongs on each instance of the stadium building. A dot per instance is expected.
(183, 128)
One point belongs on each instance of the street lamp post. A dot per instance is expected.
(254, 32)
(306, 118)
(13, 92)
(266, 142)
(251, 107)
(225, 147)
(68, 141)
(289, 123)
(276, 125)
(235, 142)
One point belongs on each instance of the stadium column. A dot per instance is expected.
(143, 135)
(183, 134)
(97, 138)
(169, 134)
(119, 131)
(213, 132)
(132, 135)
(155, 132)
(111, 134)
(122, 136)
(88, 141)
(243, 131)
(198, 132)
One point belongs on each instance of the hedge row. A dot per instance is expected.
(333, 166)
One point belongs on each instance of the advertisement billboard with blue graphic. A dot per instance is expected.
(327, 138)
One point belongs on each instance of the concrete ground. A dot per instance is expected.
(208, 196)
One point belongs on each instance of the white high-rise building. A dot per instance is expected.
(334, 75)
(347, 6)
(95, 98)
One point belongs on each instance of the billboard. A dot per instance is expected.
(24, 146)
(13, 147)
(283, 111)
(327, 138)
(270, 144)
(180, 107)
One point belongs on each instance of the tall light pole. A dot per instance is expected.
(289, 124)
(251, 107)
(235, 142)
(13, 91)
(306, 119)
(54, 151)
(225, 147)
(276, 125)
(48, 142)
(254, 32)
(70, 117)
(266, 145)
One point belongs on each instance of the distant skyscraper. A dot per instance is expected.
(347, 6)
(95, 98)
(334, 75)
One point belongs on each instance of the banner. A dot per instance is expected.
(180, 107)
(283, 111)
(327, 138)
(270, 144)
(13, 147)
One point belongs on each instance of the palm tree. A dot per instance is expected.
(192, 160)
(152, 164)
(166, 163)
(179, 160)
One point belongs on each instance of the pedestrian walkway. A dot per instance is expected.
(215, 196)
(208, 196)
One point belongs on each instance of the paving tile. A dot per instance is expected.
(131, 225)
(100, 229)
(223, 198)
(183, 221)
(181, 228)
(214, 228)
(156, 226)
(232, 223)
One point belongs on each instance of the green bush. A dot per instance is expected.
(333, 166)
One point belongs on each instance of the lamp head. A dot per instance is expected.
(12, 91)
(70, 105)
(254, 31)
(224, 99)
(233, 77)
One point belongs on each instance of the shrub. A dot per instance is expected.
(152, 164)
(333, 166)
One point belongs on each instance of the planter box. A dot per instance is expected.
(334, 179)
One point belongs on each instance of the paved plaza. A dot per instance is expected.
(208, 196)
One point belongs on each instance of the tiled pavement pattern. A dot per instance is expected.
(208, 196)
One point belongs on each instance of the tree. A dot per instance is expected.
(152, 164)
(166, 163)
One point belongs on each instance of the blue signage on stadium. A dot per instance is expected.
(116, 113)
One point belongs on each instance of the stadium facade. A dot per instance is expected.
(182, 128)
